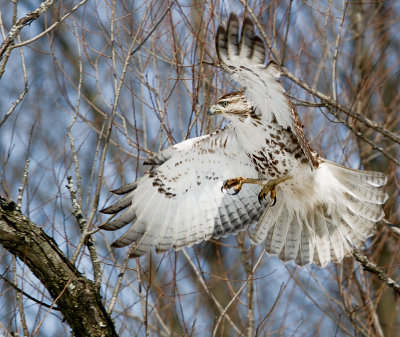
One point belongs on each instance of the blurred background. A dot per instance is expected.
(117, 81)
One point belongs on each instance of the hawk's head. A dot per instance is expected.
(233, 106)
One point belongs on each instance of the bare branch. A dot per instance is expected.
(16, 28)
(76, 296)
(53, 307)
(330, 102)
(203, 284)
(49, 29)
(233, 299)
(374, 269)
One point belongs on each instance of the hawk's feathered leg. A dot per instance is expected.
(267, 186)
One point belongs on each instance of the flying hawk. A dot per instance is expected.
(315, 211)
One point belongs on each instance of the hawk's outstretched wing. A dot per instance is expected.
(179, 202)
(320, 214)
(244, 59)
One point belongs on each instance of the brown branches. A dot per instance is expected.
(75, 295)
(335, 105)
(332, 104)
(123, 79)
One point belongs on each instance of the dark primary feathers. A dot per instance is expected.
(250, 47)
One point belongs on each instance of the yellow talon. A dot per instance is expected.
(272, 193)
(269, 187)
(235, 183)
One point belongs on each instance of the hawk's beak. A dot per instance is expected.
(213, 110)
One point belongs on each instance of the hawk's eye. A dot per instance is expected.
(224, 104)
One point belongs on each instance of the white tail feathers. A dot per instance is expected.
(321, 218)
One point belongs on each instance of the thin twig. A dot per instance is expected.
(154, 28)
(143, 300)
(262, 323)
(373, 268)
(15, 104)
(151, 306)
(23, 184)
(331, 314)
(27, 295)
(119, 280)
(370, 142)
(18, 295)
(153, 327)
(233, 299)
(76, 207)
(336, 52)
(250, 290)
(54, 25)
(77, 212)
(339, 107)
(203, 284)
(77, 104)
(26, 88)
(26, 170)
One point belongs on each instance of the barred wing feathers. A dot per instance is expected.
(179, 202)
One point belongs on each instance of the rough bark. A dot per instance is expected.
(75, 296)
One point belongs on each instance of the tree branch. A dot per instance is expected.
(21, 23)
(374, 269)
(76, 296)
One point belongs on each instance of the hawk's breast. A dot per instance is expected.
(279, 154)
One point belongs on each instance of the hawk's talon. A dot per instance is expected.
(235, 183)
(262, 194)
(272, 194)
(268, 188)
(223, 186)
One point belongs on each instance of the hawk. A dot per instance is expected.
(315, 211)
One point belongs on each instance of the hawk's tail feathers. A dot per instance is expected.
(338, 214)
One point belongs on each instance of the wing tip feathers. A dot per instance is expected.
(107, 210)
(220, 43)
(125, 188)
(250, 46)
